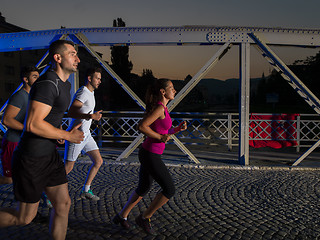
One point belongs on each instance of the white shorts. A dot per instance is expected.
(72, 150)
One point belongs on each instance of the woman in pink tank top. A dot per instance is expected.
(157, 126)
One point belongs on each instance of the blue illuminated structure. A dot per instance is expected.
(226, 37)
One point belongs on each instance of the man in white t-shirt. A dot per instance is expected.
(82, 111)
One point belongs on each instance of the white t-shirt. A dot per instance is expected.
(85, 96)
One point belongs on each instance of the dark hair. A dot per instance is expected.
(93, 70)
(153, 95)
(58, 46)
(26, 71)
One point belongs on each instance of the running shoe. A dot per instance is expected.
(89, 195)
(123, 222)
(145, 224)
(46, 201)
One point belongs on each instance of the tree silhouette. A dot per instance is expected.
(145, 80)
(122, 66)
(120, 56)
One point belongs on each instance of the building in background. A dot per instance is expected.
(11, 62)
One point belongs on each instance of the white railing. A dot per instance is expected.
(220, 129)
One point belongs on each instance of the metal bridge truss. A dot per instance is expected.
(243, 37)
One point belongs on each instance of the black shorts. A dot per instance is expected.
(31, 175)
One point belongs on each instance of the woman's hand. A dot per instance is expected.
(182, 126)
(165, 138)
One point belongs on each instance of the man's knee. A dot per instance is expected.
(62, 206)
(96, 158)
(68, 166)
(98, 162)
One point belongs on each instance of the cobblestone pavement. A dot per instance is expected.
(210, 203)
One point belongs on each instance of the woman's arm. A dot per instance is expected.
(145, 128)
(182, 126)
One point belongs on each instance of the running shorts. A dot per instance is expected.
(72, 150)
(31, 175)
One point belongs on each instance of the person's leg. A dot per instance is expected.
(92, 150)
(6, 157)
(161, 175)
(5, 180)
(71, 153)
(133, 200)
(68, 166)
(23, 216)
(60, 199)
(159, 172)
(145, 182)
(156, 203)
(97, 161)
(122, 217)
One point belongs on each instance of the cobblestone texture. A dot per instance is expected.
(210, 203)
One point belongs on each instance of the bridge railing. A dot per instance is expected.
(217, 129)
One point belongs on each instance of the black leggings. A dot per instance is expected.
(152, 168)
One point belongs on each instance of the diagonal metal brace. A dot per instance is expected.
(293, 81)
(287, 74)
(196, 79)
(133, 145)
(303, 156)
(184, 149)
(81, 38)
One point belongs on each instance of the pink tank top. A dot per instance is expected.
(160, 126)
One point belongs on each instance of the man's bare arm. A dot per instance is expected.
(74, 112)
(36, 124)
(9, 118)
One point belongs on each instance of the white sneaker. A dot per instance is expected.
(89, 195)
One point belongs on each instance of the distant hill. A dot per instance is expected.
(210, 94)
(227, 87)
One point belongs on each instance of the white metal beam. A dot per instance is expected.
(244, 103)
(184, 149)
(144, 36)
(306, 154)
(133, 145)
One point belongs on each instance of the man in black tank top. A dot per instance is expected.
(36, 164)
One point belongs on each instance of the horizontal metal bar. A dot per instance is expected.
(145, 36)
